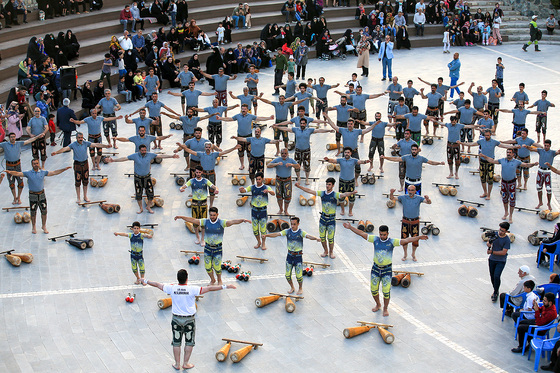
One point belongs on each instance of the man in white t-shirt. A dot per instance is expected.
(183, 299)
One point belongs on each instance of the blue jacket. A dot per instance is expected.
(454, 68)
(389, 51)
(63, 115)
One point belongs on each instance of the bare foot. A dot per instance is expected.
(350, 214)
(34, 231)
(456, 177)
(242, 167)
(509, 221)
(86, 199)
(78, 201)
(487, 198)
(450, 176)
(257, 245)
(539, 205)
(342, 213)
(279, 212)
(324, 255)
(263, 247)
(414, 259)
(549, 207)
(504, 217)
(140, 211)
(403, 258)
(212, 283)
(188, 366)
(197, 241)
(14, 202)
(306, 182)
(175, 366)
(483, 195)
(277, 154)
(381, 171)
(369, 169)
(385, 313)
(300, 292)
(400, 190)
(116, 147)
(286, 212)
(376, 308)
(18, 201)
(45, 231)
(137, 281)
(150, 210)
(332, 256)
(291, 290)
(202, 244)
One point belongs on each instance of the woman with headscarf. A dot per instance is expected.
(129, 59)
(194, 66)
(152, 55)
(164, 52)
(263, 54)
(33, 50)
(231, 61)
(71, 45)
(402, 38)
(98, 92)
(173, 40)
(301, 58)
(156, 64)
(114, 48)
(194, 30)
(288, 36)
(13, 118)
(129, 84)
(24, 74)
(298, 30)
(170, 72)
(363, 55)
(88, 99)
(51, 47)
(156, 10)
(467, 35)
(161, 36)
(228, 25)
(323, 43)
(309, 35)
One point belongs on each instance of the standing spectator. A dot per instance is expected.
(289, 10)
(446, 41)
(300, 56)
(386, 57)
(454, 73)
(280, 70)
(498, 248)
(363, 55)
(534, 33)
(550, 24)
(106, 70)
(182, 11)
(172, 9)
(496, 28)
(238, 16)
(136, 18)
(63, 115)
(419, 21)
(126, 18)
(361, 15)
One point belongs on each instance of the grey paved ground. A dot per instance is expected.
(66, 310)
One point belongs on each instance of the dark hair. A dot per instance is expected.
(415, 108)
(467, 101)
(331, 180)
(433, 85)
(302, 85)
(347, 148)
(409, 81)
(524, 129)
(453, 118)
(548, 141)
(550, 297)
(383, 228)
(199, 168)
(197, 129)
(213, 209)
(504, 225)
(415, 145)
(545, 92)
(401, 99)
(182, 276)
(294, 218)
(529, 284)
(555, 279)
(136, 224)
(259, 174)
(142, 147)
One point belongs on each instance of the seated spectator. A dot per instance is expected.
(24, 74)
(71, 46)
(165, 52)
(139, 84)
(151, 40)
(77, 4)
(543, 315)
(136, 18)
(203, 41)
(399, 20)
(123, 90)
(289, 10)
(152, 55)
(524, 276)
(157, 11)
(126, 42)
(22, 9)
(238, 16)
(194, 66)
(240, 57)
(169, 72)
(419, 21)
(550, 24)
(554, 365)
(546, 247)
(530, 298)
(46, 7)
(182, 11)
(96, 4)
(247, 11)
(402, 38)
(298, 30)
(264, 54)
(10, 13)
(173, 40)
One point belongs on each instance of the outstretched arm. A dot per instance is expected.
(552, 168)
(188, 219)
(392, 159)
(528, 165)
(121, 159)
(434, 163)
(406, 241)
(14, 173)
(58, 172)
(272, 235)
(229, 223)
(491, 160)
(360, 233)
(221, 154)
(206, 289)
(331, 123)
(305, 189)
(312, 238)
(377, 95)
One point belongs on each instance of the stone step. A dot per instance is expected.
(552, 39)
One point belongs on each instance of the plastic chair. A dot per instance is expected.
(551, 288)
(508, 301)
(534, 330)
(541, 346)
(552, 255)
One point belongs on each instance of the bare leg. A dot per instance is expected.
(402, 185)
(298, 175)
(115, 143)
(280, 202)
(19, 196)
(108, 141)
(350, 208)
(286, 204)
(177, 356)
(212, 279)
(44, 221)
(377, 303)
(450, 170)
(219, 276)
(300, 290)
(263, 246)
(186, 357)
(457, 165)
(331, 251)
(14, 202)
(202, 237)
(149, 205)
(277, 150)
(242, 162)
(33, 221)
(485, 191)
(140, 209)
(386, 306)
(490, 186)
(539, 194)
(505, 212)
(405, 247)
(548, 197)
(211, 198)
(292, 288)
(414, 253)
(85, 193)
(78, 199)
(371, 164)
(325, 248)
(511, 214)
(306, 177)
(258, 238)
(381, 161)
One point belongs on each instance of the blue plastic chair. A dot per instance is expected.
(553, 256)
(534, 330)
(508, 301)
(541, 346)
(551, 288)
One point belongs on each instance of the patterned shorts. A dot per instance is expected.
(508, 189)
(303, 158)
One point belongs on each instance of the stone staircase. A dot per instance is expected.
(515, 26)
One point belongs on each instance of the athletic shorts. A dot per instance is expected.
(110, 126)
(486, 172)
(199, 209)
(297, 262)
(383, 275)
(222, 98)
(467, 133)
(183, 326)
(39, 147)
(156, 129)
(303, 158)
(210, 175)
(256, 165)
(81, 173)
(525, 169)
(14, 166)
(245, 146)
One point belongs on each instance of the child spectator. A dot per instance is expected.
(291, 65)
(139, 83)
(121, 89)
(486, 33)
(136, 250)
(220, 31)
(120, 64)
(52, 128)
(446, 40)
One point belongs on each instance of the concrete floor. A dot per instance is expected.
(66, 312)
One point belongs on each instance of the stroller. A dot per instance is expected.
(341, 47)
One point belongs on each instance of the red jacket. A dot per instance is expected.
(544, 315)
(125, 14)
